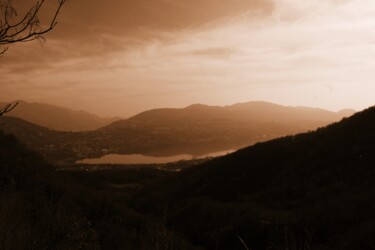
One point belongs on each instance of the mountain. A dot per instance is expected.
(300, 117)
(203, 129)
(346, 112)
(308, 191)
(58, 118)
(197, 130)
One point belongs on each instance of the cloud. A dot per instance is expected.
(215, 52)
(94, 29)
(289, 54)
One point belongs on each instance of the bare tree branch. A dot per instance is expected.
(243, 243)
(8, 108)
(2, 51)
(27, 28)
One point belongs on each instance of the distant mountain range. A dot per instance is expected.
(309, 191)
(197, 129)
(213, 127)
(313, 190)
(200, 115)
(58, 118)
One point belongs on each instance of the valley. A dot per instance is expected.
(194, 130)
(282, 191)
(187, 125)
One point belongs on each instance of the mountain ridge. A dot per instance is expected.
(251, 106)
(58, 118)
(314, 189)
(196, 129)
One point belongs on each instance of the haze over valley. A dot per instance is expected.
(58, 118)
(187, 124)
(195, 130)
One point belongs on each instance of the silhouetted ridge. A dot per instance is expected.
(41, 208)
(319, 186)
(37, 212)
(54, 146)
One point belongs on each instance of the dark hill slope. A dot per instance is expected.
(54, 146)
(36, 210)
(41, 208)
(309, 191)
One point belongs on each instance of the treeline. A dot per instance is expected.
(44, 209)
(310, 191)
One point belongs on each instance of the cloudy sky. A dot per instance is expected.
(121, 57)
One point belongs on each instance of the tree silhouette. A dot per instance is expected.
(25, 28)
(8, 108)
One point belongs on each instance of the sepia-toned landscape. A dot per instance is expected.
(176, 124)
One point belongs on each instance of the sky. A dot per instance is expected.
(118, 58)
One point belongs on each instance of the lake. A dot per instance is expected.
(146, 159)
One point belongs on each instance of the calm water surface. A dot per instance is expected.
(145, 159)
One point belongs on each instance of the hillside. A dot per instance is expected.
(54, 146)
(299, 117)
(208, 128)
(196, 130)
(46, 209)
(37, 211)
(310, 191)
(58, 118)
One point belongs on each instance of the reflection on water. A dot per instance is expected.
(145, 159)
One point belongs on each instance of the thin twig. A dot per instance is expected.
(28, 28)
(8, 108)
(243, 243)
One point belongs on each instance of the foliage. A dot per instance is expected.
(44, 209)
(310, 191)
